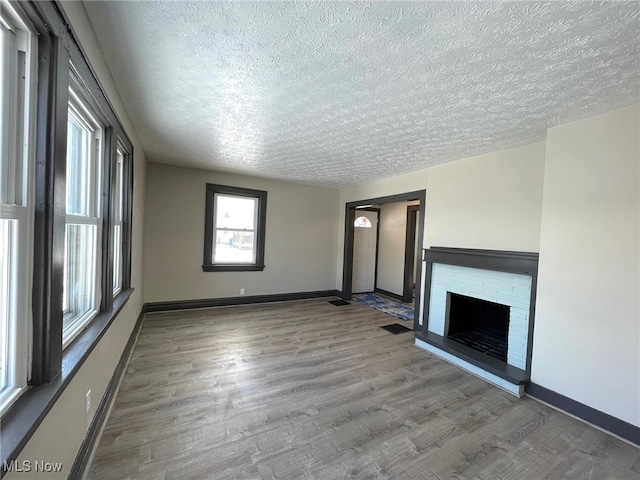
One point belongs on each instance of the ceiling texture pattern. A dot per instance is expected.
(342, 93)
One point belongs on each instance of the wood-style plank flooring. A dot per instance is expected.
(307, 390)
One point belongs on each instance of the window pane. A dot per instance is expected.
(234, 229)
(12, 105)
(78, 167)
(117, 258)
(236, 213)
(4, 75)
(118, 188)
(79, 272)
(16, 241)
(118, 214)
(82, 235)
(233, 246)
(362, 222)
(4, 225)
(7, 244)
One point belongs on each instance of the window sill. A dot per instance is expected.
(233, 268)
(28, 412)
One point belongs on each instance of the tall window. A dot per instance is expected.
(81, 296)
(118, 215)
(234, 229)
(63, 218)
(17, 84)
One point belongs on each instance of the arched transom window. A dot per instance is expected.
(362, 222)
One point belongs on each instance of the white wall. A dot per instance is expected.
(391, 246)
(300, 246)
(60, 435)
(491, 201)
(587, 333)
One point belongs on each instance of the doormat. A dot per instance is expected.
(338, 303)
(396, 328)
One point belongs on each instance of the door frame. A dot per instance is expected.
(375, 272)
(349, 218)
(410, 254)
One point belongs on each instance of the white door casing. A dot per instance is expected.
(365, 240)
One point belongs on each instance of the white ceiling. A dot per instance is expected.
(343, 93)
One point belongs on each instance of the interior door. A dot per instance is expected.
(365, 239)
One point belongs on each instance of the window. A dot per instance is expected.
(65, 219)
(17, 90)
(234, 229)
(118, 215)
(362, 222)
(81, 290)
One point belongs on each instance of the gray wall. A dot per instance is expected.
(300, 247)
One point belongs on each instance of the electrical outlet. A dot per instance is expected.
(242, 291)
(87, 401)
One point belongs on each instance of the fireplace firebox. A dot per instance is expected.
(478, 324)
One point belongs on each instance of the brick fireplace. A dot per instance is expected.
(478, 312)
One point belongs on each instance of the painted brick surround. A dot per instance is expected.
(506, 278)
(505, 288)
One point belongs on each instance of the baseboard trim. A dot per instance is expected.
(600, 419)
(395, 296)
(231, 301)
(85, 454)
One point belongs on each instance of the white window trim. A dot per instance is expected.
(253, 230)
(81, 113)
(21, 144)
(118, 266)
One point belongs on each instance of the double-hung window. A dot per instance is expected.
(83, 227)
(17, 93)
(118, 216)
(234, 229)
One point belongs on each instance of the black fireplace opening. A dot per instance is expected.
(478, 324)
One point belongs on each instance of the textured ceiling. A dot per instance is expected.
(342, 93)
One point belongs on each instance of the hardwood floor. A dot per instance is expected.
(307, 390)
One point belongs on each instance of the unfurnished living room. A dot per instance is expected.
(320, 240)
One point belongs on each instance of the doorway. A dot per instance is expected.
(365, 250)
(411, 254)
(352, 211)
